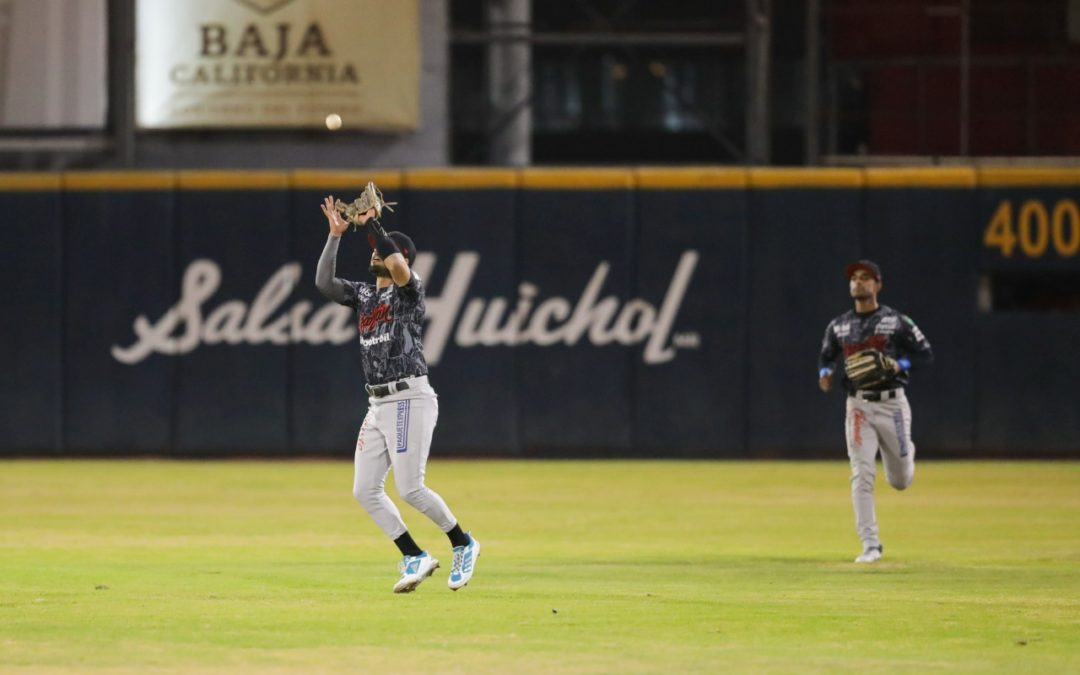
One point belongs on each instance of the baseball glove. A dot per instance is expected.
(868, 368)
(370, 198)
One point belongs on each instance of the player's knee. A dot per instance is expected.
(862, 481)
(367, 495)
(415, 496)
(901, 482)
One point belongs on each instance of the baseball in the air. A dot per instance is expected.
(333, 121)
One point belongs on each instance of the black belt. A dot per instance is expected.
(884, 395)
(380, 390)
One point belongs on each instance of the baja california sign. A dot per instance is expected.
(478, 322)
(277, 63)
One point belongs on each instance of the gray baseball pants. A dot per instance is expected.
(396, 434)
(870, 426)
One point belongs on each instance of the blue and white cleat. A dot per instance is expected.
(464, 564)
(414, 569)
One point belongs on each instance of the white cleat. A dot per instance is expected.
(414, 569)
(872, 554)
(464, 564)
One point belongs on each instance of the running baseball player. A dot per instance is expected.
(402, 406)
(872, 349)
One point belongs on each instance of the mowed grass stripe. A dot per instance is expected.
(587, 567)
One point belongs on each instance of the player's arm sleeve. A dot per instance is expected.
(915, 350)
(338, 290)
(400, 272)
(413, 289)
(830, 350)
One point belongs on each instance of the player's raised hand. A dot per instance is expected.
(338, 225)
(366, 216)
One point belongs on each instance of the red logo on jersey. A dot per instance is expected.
(878, 342)
(381, 314)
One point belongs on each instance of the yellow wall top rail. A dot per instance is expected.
(544, 178)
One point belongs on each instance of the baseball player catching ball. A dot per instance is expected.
(872, 349)
(402, 406)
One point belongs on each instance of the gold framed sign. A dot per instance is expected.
(277, 63)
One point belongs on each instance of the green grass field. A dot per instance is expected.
(587, 567)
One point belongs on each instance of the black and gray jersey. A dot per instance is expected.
(390, 323)
(883, 329)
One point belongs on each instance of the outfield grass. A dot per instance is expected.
(587, 567)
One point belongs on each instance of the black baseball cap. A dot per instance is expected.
(404, 244)
(867, 265)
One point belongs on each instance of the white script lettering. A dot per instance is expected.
(480, 322)
(182, 328)
(485, 322)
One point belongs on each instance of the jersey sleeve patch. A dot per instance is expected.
(918, 334)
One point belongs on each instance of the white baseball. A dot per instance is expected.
(333, 121)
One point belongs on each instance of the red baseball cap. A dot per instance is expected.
(866, 265)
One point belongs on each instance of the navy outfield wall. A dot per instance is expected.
(120, 254)
(32, 274)
(802, 228)
(601, 313)
(572, 240)
(920, 236)
(1029, 223)
(699, 372)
